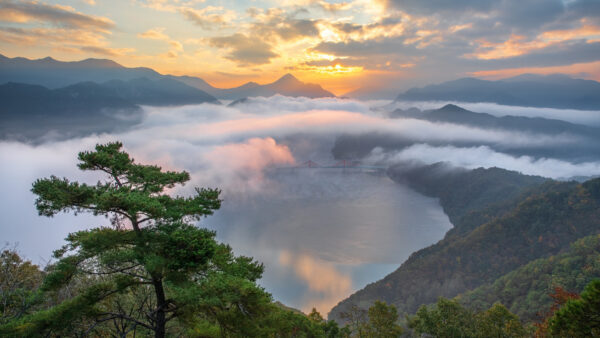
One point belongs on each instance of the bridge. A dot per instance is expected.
(342, 164)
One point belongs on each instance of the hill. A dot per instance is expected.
(488, 243)
(552, 91)
(30, 111)
(525, 291)
(159, 92)
(53, 74)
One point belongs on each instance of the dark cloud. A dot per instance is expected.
(54, 14)
(245, 50)
(293, 29)
(393, 46)
(428, 7)
(284, 27)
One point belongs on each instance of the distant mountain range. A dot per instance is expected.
(585, 140)
(287, 85)
(96, 95)
(32, 112)
(54, 74)
(454, 114)
(551, 91)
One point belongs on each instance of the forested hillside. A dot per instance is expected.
(525, 291)
(541, 222)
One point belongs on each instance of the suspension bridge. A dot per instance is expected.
(342, 164)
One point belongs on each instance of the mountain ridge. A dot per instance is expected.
(527, 90)
(53, 74)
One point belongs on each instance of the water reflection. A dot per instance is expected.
(324, 233)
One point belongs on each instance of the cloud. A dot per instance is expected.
(59, 16)
(243, 164)
(107, 51)
(439, 6)
(51, 36)
(244, 50)
(483, 156)
(209, 17)
(155, 34)
(584, 117)
(325, 283)
(274, 24)
(60, 27)
(175, 47)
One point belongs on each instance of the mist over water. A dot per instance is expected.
(321, 233)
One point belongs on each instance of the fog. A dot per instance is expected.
(585, 117)
(322, 233)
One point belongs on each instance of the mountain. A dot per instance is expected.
(551, 91)
(159, 92)
(86, 107)
(454, 114)
(287, 85)
(525, 291)
(29, 112)
(53, 74)
(487, 243)
(195, 82)
(584, 142)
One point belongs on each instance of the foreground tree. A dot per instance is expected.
(19, 279)
(578, 317)
(383, 321)
(151, 266)
(447, 318)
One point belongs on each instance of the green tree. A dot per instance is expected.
(383, 321)
(19, 280)
(447, 318)
(498, 322)
(579, 317)
(356, 321)
(329, 328)
(169, 268)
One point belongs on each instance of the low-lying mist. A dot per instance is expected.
(322, 233)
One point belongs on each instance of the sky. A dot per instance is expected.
(342, 45)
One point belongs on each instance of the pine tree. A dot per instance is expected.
(152, 265)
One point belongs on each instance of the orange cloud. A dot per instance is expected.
(588, 70)
(327, 286)
(241, 165)
(155, 34)
(62, 16)
(586, 31)
(518, 45)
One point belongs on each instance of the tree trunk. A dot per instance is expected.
(160, 308)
